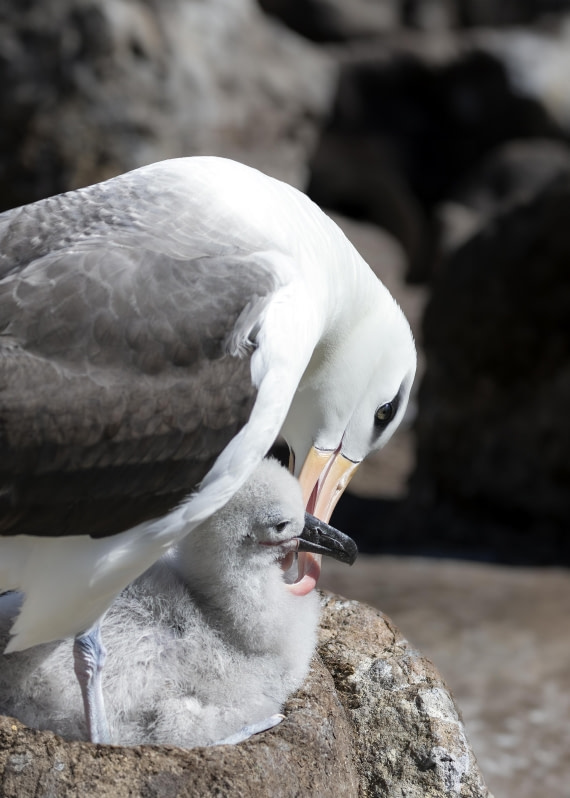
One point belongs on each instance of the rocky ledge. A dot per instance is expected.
(373, 719)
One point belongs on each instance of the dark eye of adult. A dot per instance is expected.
(383, 415)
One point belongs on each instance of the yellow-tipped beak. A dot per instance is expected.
(314, 465)
(324, 477)
(337, 477)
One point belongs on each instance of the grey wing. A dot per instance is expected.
(117, 389)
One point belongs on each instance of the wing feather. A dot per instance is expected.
(124, 356)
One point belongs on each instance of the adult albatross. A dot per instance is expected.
(157, 332)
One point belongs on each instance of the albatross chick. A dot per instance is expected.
(209, 640)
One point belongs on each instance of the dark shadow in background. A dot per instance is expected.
(385, 526)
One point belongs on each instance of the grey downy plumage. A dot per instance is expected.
(206, 641)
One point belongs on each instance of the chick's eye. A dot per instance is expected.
(281, 526)
(384, 415)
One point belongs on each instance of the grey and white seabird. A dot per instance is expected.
(158, 331)
(207, 644)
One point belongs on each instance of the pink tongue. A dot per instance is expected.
(309, 571)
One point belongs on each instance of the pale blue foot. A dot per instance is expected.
(89, 656)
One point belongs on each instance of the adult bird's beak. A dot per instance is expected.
(320, 538)
(323, 478)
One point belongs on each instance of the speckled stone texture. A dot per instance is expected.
(496, 633)
(390, 728)
(409, 737)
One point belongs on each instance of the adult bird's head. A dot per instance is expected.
(351, 399)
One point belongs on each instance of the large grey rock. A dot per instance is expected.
(91, 89)
(409, 737)
(409, 121)
(536, 59)
(374, 720)
(511, 175)
(493, 426)
(495, 633)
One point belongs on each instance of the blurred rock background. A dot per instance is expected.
(437, 133)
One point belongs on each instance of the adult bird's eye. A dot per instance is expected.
(384, 415)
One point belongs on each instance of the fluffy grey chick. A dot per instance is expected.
(207, 641)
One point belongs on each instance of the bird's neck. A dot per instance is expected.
(251, 607)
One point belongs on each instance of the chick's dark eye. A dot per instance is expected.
(384, 415)
(281, 526)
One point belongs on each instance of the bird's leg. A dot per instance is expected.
(89, 656)
(251, 729)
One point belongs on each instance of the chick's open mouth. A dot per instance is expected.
(302, 579)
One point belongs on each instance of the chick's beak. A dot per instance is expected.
(319, 537)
